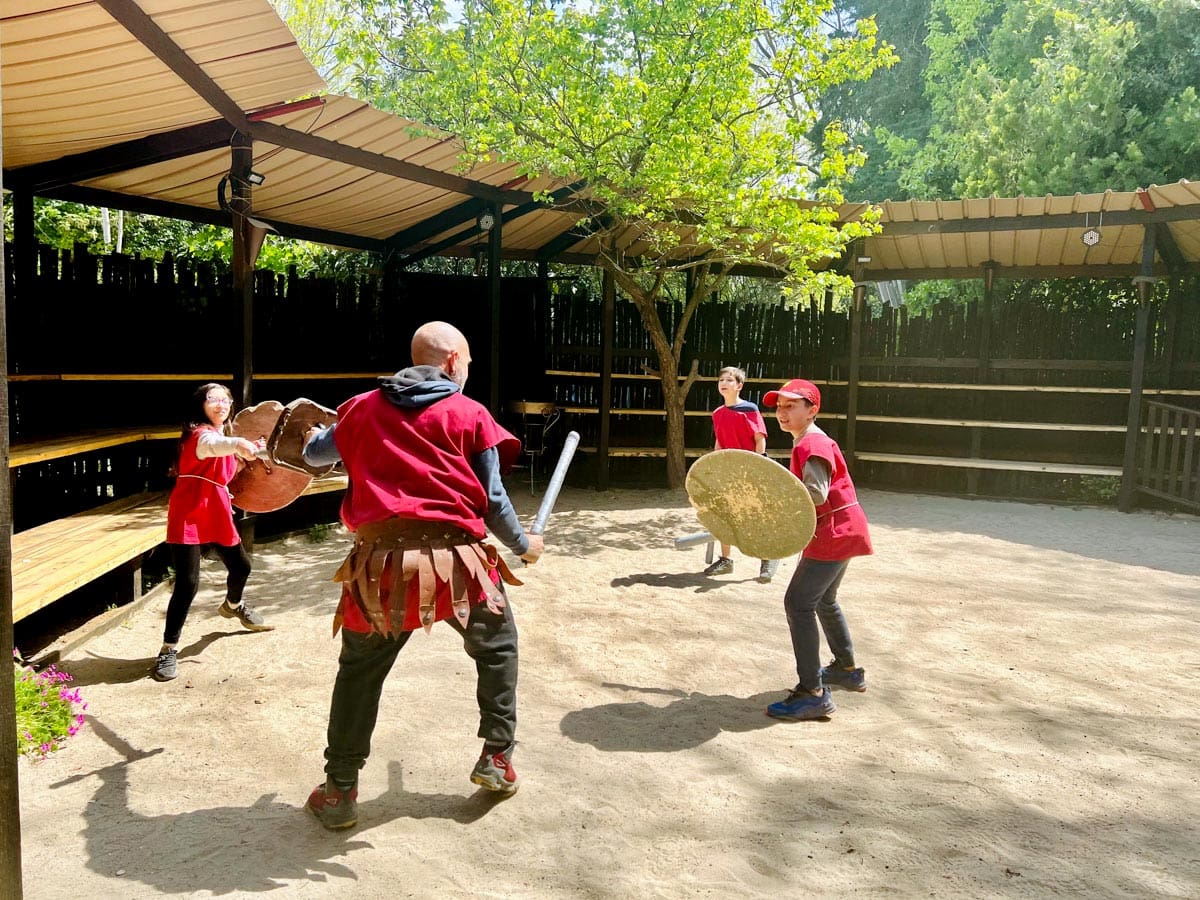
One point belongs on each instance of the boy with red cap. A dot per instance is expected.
(841, 534)
(738, 425)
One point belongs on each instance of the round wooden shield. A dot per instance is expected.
(262, 486)
(751, 502)
(286, 443)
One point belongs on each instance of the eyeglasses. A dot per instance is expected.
(219, 401)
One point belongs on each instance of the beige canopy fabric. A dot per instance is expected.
(133, 104)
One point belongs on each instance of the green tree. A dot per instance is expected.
(1057, 96)
(689, 122)
(892, 105)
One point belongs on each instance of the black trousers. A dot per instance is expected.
(186, 560)
(489, 638)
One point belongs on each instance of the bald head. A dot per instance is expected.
(441, 344)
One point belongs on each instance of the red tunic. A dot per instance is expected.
(415, 464)
(199, 511)
(841, 523)
(736, 426)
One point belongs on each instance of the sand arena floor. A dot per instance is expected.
(1030, 727)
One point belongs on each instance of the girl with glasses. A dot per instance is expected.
(200, 515)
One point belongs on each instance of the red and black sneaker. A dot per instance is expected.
(495, 771)
(334, 808)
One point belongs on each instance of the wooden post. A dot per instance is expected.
(495, 243)
(241, 204)
(856, 313)
(982, 371)
(10, 806)
(1133, 419)
(1171, 329)
(608, 331)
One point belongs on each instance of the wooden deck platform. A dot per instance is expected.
(53, 559)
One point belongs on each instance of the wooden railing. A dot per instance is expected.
(1170, 467)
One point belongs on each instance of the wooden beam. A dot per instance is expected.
(553, 248)
(141, 26)
(121, 157)
(471, 231)
(242, 204)
(10, 801)
(270, 133)
(1133, 418)
(204, 216)
(1167, 248)
(158, 42)
(960, 273)
(607, 337)
(459, 214)
(495, 243)
(1189, 212)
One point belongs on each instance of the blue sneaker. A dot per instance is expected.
(834, 675)
(801, 705)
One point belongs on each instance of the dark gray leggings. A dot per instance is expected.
(811, 598)
(186, 560)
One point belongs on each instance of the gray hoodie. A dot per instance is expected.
(417, 387)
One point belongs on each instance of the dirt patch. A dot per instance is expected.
(1029, 729)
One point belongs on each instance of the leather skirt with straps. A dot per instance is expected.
(437, 555)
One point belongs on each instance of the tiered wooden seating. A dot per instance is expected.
(23, 453)
(53, 559)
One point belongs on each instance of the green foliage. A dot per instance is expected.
(319, 532)
(48, 710)
(1058, 96)
(693, 125)
(1026, 97)
(1100, 490)
(61, 224)
(704, 105)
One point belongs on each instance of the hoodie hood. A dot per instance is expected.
(418, 386)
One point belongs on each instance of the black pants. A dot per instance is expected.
(489, 638)
(186, 560)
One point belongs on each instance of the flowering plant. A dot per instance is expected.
(48, 710)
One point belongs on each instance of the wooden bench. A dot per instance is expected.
(23, 453)
(334, 481)
(661, 452)
(53, 559)
(1003, 465)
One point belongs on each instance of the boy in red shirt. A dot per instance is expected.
(841, 534)
(738, 425)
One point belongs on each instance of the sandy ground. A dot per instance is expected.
(1030, 728)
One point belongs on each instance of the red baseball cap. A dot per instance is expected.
(796, 389)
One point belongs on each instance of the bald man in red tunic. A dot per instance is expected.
(424, 465)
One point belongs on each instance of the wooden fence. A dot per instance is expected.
(1025, 401)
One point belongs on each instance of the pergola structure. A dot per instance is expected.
(177, 107)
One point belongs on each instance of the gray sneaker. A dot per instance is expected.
(164, 666)
(766, 570)
(334, 808)
(722, 566)
(250, 618)
(495, 771)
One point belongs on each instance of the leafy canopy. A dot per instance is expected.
(1057, 96)
(689, 121)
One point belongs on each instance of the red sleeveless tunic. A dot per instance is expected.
(199, 511)
(841, 523)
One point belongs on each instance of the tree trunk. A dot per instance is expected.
(669, 354)
(674, 397)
